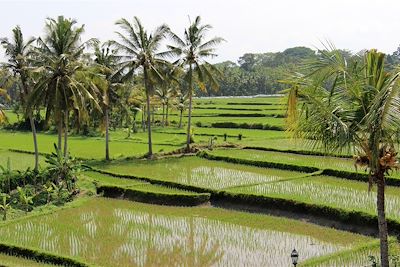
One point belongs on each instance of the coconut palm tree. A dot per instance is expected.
(60, 88)
(351, 106)
(193, 50)
(3, 117)
(181, 104)
(140, 50)
(167, 89)
(17, 51)
(106, 61)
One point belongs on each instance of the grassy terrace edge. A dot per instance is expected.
(148, 196)
(342, 254)
(352, 217)
(41, 256)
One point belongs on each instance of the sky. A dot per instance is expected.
(248, 26)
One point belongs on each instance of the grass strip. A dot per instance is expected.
(40, 256)
(160, 197)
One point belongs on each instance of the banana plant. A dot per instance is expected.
(5, 205)
(49, 191)
(6, 172)
(24, 198)
(62, 168)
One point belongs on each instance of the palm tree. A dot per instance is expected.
(140, 50)
(3, 117)
(106, 60)
(164, 93)
(180, 104)
(60, 87)
(193, 49)
(351, 106)
(17, 51)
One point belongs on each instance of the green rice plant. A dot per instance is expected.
(357, 256)
(99, 178)
(18, 161)
(120, 233)
(320, 162)
(198, 172)
(208, 121)
(85, 147)
(329, 191)
(248, 134)
(273, 100)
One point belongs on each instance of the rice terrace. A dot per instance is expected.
(130, 142)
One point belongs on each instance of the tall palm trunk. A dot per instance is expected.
(166, 114)
(78, 122)
(163, 115)
(147, 88)
(31, 121)
(190, 111)
(35, 145)
(59, 130)
(382, 224)
(134, 122)
(153, 111)
(107, 123)
(66, 113)
(180, 118)
(143, 114)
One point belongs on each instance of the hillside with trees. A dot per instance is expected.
(261, 73)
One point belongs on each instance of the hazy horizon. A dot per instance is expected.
(248, 26)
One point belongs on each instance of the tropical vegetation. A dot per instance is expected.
(84, 121)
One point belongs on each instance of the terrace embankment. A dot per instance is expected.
(367, 230)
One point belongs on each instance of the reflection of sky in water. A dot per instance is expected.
(218, 178)
(120, 237)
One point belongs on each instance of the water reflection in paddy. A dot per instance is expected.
(107, 234)
(200, 172)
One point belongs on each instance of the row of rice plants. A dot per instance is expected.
(198, 172)
(92, 147)
(239, 100)
(208, 121)
(329, 191)
(118, 233)
(364, 255)
(18, 161)
(322, 190)
(320, 162)
(217, 111)
(247, 134)
(104, 179)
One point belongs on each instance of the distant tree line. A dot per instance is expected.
(261, 73)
